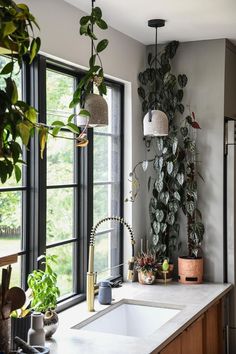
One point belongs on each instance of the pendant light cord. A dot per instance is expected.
(156, 70)
(93, 1)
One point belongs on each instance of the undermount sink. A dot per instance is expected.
(127, 318)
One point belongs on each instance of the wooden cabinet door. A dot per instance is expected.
(173, 347)
(192, 338)
(213, 329)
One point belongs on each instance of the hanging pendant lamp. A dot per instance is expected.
(155, 122)
(95, 104)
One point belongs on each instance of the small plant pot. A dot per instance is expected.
(19, 328)
(146, 278)
(190, 270)
(51, 322)
(160, 276)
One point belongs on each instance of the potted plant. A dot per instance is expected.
(18, 119)
(146, 265)
(190, 267)
(45, 292)
(168, 166)
(93, 107)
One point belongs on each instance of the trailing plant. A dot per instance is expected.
(43, 284)
(95, 74)
(168, 161)
(195, 227)
(18, 119)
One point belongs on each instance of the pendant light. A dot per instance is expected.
(155, 122)
(95, 104)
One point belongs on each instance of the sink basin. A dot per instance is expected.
(127, 318)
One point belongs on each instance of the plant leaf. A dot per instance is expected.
(102, 45)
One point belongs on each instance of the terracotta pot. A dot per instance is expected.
(160, 275)
(146, 278)
(190, 270)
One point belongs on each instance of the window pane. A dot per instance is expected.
(101, 256)
(10, 222)
(60, 158)
(59, 214)
(101, 207)
(17, 272)
(60, 89)
(102, 158)
(64, 267)
(106, 253)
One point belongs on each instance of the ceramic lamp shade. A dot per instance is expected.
(155, 123)
(98, 109)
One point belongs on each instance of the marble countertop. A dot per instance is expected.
(192, 299)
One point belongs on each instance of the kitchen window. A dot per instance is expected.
(62, 196)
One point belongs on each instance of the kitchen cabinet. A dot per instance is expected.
(173, 347)
(203, 336)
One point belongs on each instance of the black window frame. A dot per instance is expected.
(34, 221)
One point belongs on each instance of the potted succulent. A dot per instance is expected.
(146, 265)
(190, 267)
(45, 292)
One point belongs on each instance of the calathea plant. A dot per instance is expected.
(195, 227)
(168, 163)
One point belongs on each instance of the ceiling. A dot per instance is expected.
(186, 20)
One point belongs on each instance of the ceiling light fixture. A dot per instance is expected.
(155, 122)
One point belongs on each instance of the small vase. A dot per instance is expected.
(160, 277)
(146, 278)
(51, 322)
(36, 334)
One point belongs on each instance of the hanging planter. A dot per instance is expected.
(93, 107)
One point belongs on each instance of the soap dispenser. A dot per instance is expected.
(104, 293)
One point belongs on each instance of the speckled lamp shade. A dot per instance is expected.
(98, 109)
(155, 123)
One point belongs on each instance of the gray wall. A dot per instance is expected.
(123, 59)
(204, 64)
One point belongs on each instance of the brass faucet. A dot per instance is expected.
(90, 273)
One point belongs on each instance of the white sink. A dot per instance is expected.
(129, 318)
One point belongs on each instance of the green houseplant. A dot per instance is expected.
(94, 77)
(168, 161)
(45, 292)
(191, 266)
(18, 119)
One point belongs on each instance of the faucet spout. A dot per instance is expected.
(90, 273)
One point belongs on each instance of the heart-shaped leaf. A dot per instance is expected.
(184, 131)
(159, 215)
(170, 167)
(170, 219)
(180, 178)
(163, 227)
(177, 196)
(156, 227)
(155, 239)
(182, 80)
